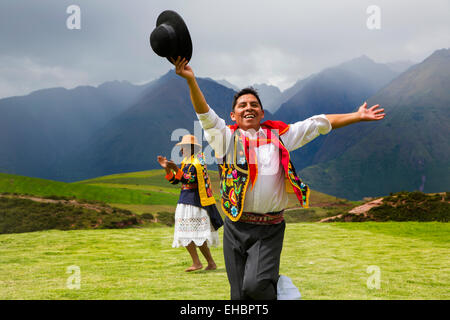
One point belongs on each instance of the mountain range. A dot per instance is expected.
(85, 132)
(339, 89)
(132, 140)
(408, 150)
(38, 129)
(380, 73)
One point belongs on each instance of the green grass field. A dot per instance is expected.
(326, 261)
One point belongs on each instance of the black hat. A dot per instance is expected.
(171, 38)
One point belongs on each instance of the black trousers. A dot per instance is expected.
(252, 259)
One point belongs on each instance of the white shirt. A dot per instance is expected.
(268, 193)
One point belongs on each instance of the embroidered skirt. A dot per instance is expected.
(193, 224)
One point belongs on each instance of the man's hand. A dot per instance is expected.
(371, 114)
(186, 72)
(182, 69)
(363, 114)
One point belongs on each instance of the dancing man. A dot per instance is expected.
(255, 170)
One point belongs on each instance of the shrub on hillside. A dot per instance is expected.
(23, 215)
(147, 216)
(167, 218)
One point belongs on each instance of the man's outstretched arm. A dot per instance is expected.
(186, 72)
(216, 132)
(363, 114)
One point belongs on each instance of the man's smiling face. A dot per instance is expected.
(247, 112)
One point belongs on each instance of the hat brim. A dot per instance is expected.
(184, 45)
(188, 144)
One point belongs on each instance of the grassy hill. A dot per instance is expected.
(148, 192)
(326, 261)
(405, 206)
(27, 214)
(321, 204)
(128, 194)
(105, 193)
(143, 191)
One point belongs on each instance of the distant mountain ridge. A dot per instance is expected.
(86, 132)
(380, 74)
(38, 129)
(340, 89)
(132, 140)
(268, 94)
(408, 150)
(376, 75)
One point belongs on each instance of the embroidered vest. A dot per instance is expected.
(203, 181)
(234, 171)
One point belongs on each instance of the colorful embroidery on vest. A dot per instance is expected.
(234, 174)
(204, 183)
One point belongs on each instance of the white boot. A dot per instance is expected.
(286, 290)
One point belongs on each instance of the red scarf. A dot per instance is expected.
(251, 144)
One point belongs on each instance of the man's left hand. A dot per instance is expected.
(371, 114)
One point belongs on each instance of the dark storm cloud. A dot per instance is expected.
(245, 42)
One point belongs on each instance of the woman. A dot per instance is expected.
(196, 217)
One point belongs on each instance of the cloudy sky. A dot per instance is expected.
(243, 41)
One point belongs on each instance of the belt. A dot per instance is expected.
(262, 218)
(189, 186)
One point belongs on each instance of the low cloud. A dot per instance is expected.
(20, 76)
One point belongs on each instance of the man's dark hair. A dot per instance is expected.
(248, 90)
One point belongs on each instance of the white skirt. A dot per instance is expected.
(193, 224)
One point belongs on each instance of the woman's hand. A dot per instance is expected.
(163, 161)
(171, 165)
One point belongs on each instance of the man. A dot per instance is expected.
(255, 167)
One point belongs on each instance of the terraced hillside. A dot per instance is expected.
(149, 192)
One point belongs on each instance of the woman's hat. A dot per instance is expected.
(189, 139)
(170, 38)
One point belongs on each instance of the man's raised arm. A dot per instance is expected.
(216, 132)
(363, 114)
(302, 132)
(186, 72)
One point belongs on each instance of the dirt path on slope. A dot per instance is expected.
(363, 209)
